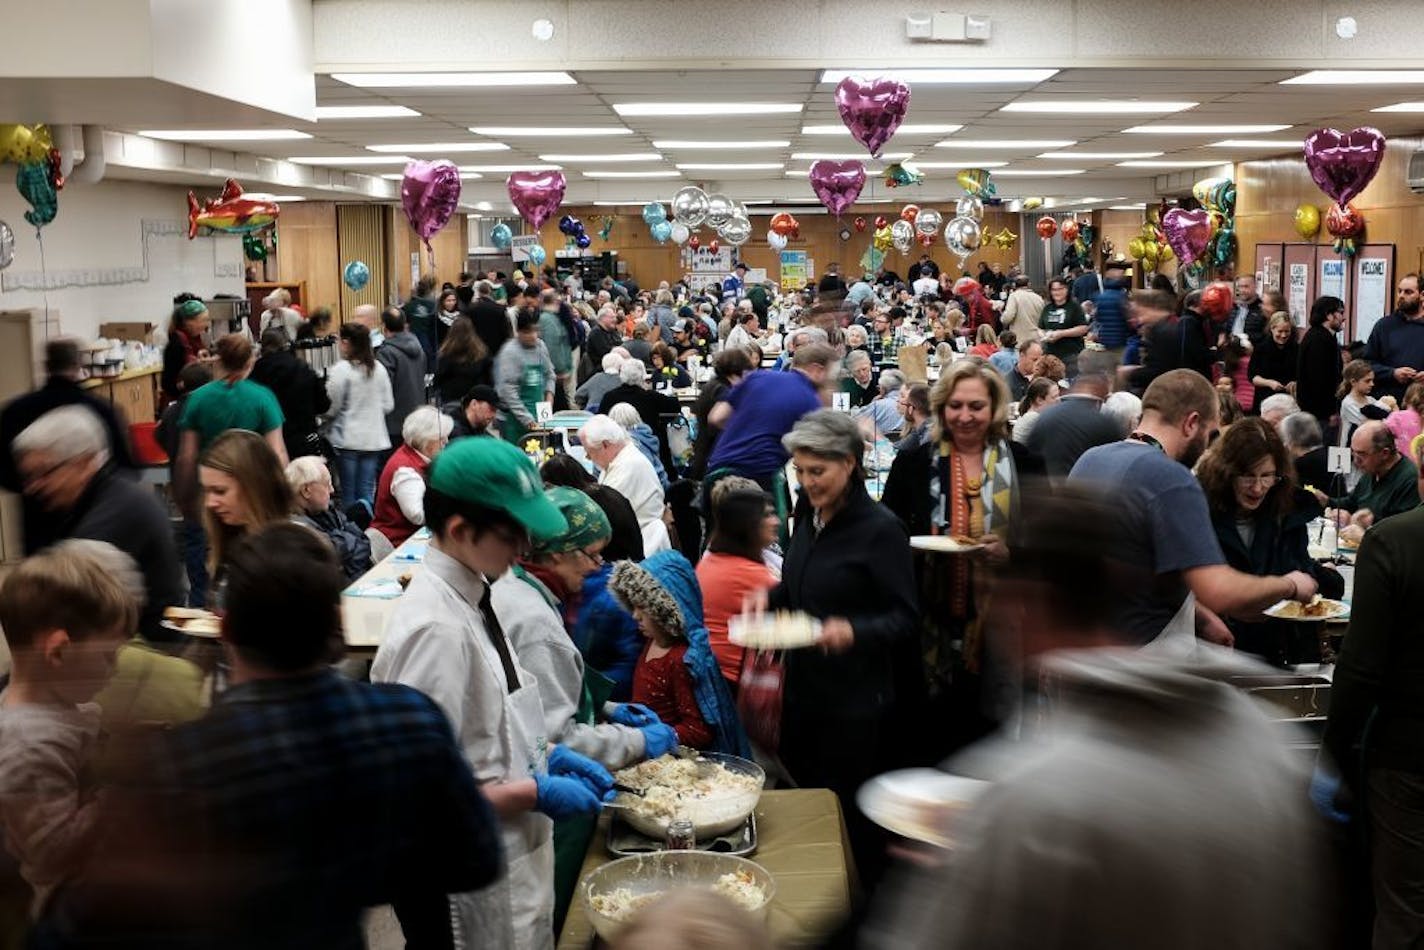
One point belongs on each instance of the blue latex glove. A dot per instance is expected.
(561, 797)
(658, 739)
(1324, 788)
(565, 761)
(633, 714)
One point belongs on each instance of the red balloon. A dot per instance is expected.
(785, 224)
(1070, 230)
(859, 223)
(1046, 227)
(910, 213)
(927, 239)
(694, 242)
(965, 286)
(1217, 300)
(880, 221)
(713, 246)
(1346, 222)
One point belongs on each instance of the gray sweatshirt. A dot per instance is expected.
(509, 371)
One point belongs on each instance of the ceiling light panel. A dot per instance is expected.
(596, 159)
(1402, 107)
(674, 109)
(673, 145)
(1255, 143)
(364, 112)
(1169, 128)
(575, 131)
(437, 80)
(1097, 106)
(224, 135)
(1168, 164)
(946, 77)
(1096, 156)
(1016, 144)
(962, 163)
(425, 147)
(849, 156)
(907, 128)
(1037, 172)
(339, 160)
(730, 166)
(1357, 77)
(621, 174)
(506, 169)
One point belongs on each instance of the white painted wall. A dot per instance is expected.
(117, 251)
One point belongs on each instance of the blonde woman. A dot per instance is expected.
(244, 488)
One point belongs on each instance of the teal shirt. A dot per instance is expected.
(556, 338)
(215, 407)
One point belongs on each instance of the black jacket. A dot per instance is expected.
(1318, 375)
(1273, 361)
(1176, 344)
(453, 380)
(707, 433)
(858, 567)
(351, 544)
(600, 343)
(491, 320)
(300, 393)
(907, 487)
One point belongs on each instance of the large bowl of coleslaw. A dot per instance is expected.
(613, 894)
(715, 791)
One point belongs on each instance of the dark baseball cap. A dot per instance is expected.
(480, 393)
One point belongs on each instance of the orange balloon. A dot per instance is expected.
(784, 224)
(1217, 300)
(910, 213)
(1070, 230)
(1046, 227)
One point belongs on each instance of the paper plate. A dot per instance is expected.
(943, 544)
(774, 631)
(1321, 610)
(919, 804)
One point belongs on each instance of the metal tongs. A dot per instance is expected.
(705, 767)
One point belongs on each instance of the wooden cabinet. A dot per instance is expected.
(134, 394)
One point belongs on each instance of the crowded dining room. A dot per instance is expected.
(623, 476)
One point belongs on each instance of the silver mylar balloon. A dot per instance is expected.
(681, 232)
(902, 234)
(963, 236)
(689, 206)
(970, 206)
(7, 246)
(736, 231)
(928, 221)
(720, 209)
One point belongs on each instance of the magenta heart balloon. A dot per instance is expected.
(872, 109)
(430, 192)
(537, 195)
(837, 184)
(1342, 164)
(1187, 232)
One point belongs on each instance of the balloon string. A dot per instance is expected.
(44, 272)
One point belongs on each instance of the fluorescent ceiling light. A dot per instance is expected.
(1037, 172)
(620, 157)
(1096, 106)
(484, 206)
(264, 196)
(1167, 128)
(802, 173)
(704, 108)
(442, 147)
(436, 80)
(728, 145)
(730, 166)
(496, 169)
(908, 128)
(849, 156)
(578, 131)
(1254, 143)
(1356, 77)
(1168, 164)
(620, 204)
(1098, 156)
(224, 135)
(349, 159)
(646, 174)
(966, 163)
(1402, 107)
(1137, 207)
(944, 77)
(757, 201)
(470, 175)
(364, 112)
(1024, 144)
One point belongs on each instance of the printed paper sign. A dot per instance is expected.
(542, 411)
(840, 402)
(1337, 460)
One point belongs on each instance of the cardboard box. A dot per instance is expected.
(139, 332)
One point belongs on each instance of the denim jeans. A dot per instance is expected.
(195, 560)
(358, 471)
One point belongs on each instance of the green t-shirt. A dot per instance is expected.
(215, 407)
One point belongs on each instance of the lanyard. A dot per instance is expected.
(1146, 439)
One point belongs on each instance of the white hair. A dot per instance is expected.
(1126, 409)
(612, 362)
(601, 429)
(305, 470)
(69, 432)
(856, 357)
(807, 335)
(891, 380)
(1300, 430)
(1284, 403)
(625, 415)
(425, 425)
(856, 335)
(633, 372)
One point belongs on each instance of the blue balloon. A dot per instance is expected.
(661, 231)
(653, 213)
(356, 275)
(583, 240)
(501, 236)
(537, 254)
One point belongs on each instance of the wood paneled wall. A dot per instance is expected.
(307, 251)
(650, 262)
(361, 236)
(445, 259)
(1267, 193)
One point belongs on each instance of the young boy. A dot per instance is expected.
(65, 613)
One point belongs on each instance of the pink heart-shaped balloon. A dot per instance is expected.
(872, 109)
(1187, 232)
(536, 195)
(837, 184)
(430, 192)
(1342, 164)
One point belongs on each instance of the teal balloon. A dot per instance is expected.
(356, 275)
(36, 187)
(537, 255)
(501, 236)
(653, 213)
(871, 260)
(661, 231)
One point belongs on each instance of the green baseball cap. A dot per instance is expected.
(495, 474)
(587, 522)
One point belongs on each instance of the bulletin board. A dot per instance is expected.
(1268, 266)
(1299, 278)
(1372, 291)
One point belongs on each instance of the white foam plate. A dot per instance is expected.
(763, 632)
(1285, 610)
(919, 804)
(943, 544)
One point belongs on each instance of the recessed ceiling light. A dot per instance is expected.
(1098, 156)
(1137, 207)
(594, 159)
(1037, 172)
(849, 156)
(1169, 128)
(442, 147)
(1096, 106)
(1356, 77)
(497, 169)
(224, 135)
(704, 108)
(1168, 164)
(1402, 107)
(349, 159)
(435, 80)
(577, 131)
(944, 77)
(909, 128)
(675, 144)
(1023, 144)
(1254, 143)
(730, 166)
(647, 174)
(364, 112)
(964, 163)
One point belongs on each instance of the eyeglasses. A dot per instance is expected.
(593, 557)
(1264, 481)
